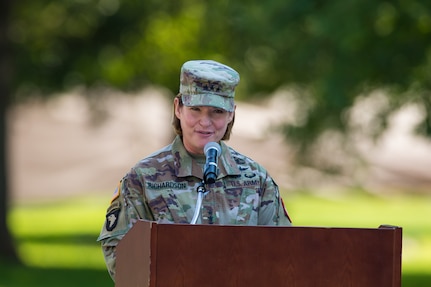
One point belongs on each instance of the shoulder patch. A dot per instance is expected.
(112, 219)
(116, 193)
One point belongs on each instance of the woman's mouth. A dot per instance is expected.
(206, 133)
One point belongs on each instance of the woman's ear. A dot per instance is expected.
(177, 107)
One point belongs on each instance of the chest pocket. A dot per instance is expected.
(244, 204)
(168, 207)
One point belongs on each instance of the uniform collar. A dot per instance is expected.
(186, 166)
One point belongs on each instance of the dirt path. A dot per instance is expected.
(56, 152)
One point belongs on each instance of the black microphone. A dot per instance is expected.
(212, 151)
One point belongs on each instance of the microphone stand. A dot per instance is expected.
(201, 194)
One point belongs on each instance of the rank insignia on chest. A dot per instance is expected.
(112, 219)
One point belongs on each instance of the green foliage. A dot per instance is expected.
(333, 52)
(127, 44)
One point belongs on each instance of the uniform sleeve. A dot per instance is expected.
(127, 206)
(272, 210)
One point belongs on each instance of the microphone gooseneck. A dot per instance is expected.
(212, 151)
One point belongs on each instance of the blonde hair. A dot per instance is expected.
(177, 124)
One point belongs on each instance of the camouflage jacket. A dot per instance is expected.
(163, 187)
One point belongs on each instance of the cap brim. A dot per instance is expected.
(211, 100)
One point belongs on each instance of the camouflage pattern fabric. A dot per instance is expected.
(208, 83)
(162, 187)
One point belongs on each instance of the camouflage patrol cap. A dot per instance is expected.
(208, 83)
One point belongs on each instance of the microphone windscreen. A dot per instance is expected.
(212, 145)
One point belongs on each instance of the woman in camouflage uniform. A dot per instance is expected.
(163, 186)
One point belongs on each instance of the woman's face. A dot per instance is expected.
(201, 125)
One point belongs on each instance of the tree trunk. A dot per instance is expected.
(7, 247)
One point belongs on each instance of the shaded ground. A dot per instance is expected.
(46, 277)
(59, 149)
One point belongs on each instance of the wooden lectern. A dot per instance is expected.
(179, 255)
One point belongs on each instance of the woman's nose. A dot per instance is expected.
(205, 120)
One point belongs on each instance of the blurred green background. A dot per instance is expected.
(334, 100)
(56, 240)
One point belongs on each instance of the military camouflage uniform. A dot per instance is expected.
(163, 187)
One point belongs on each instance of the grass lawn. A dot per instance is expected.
(57, 241)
